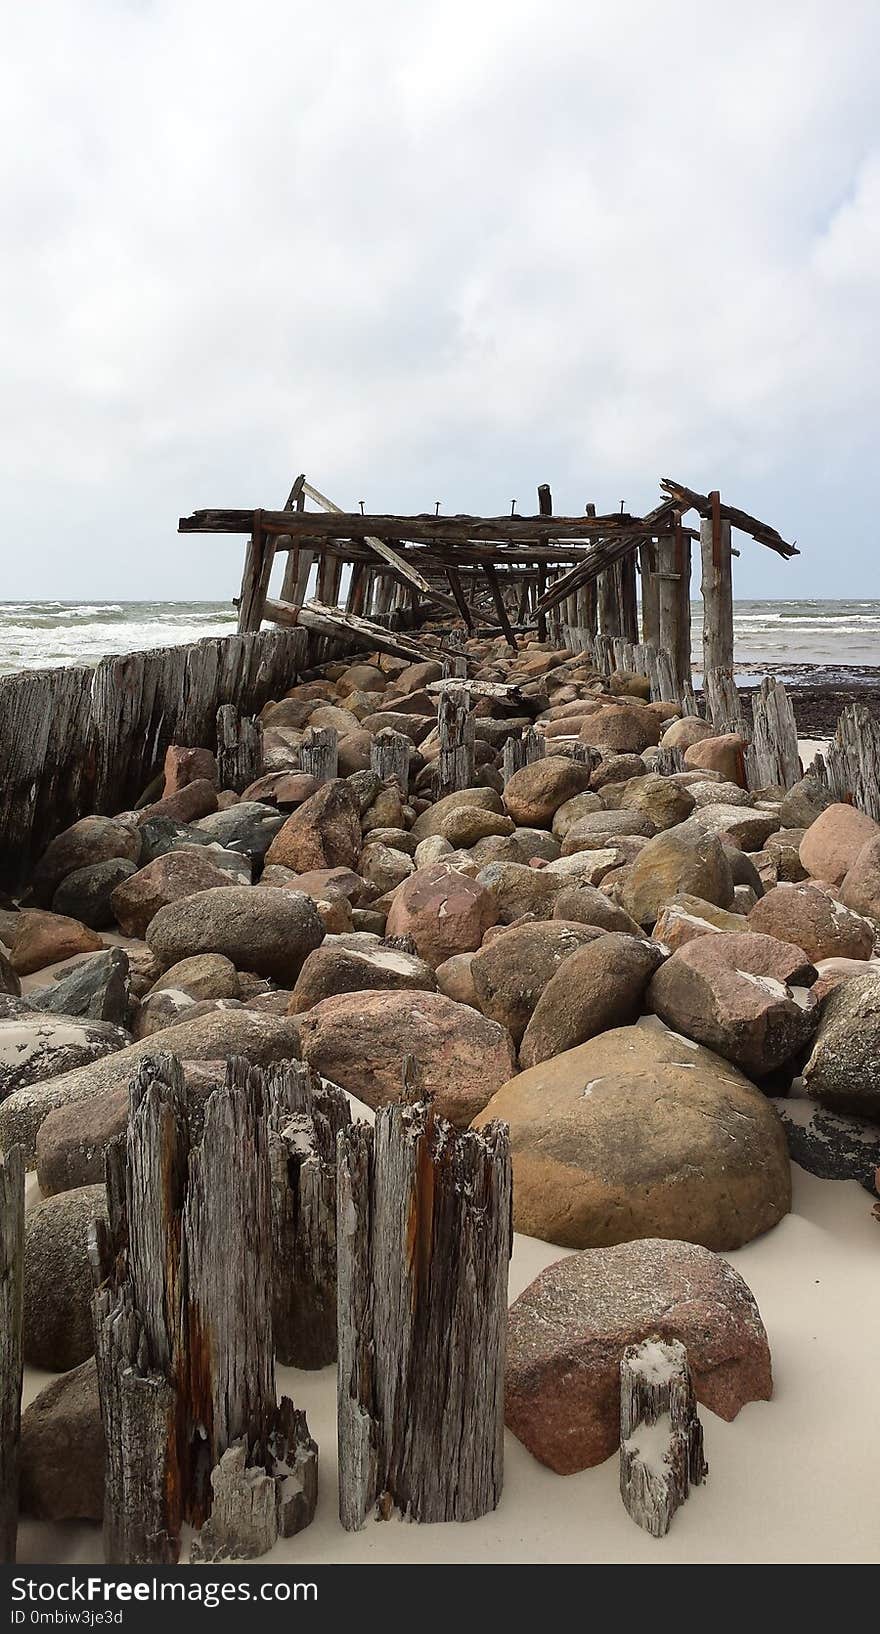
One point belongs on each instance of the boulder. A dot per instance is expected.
(510, 973)
(360, 1040)
(803, 803)
(516, 889)
(267, 930)
(567, 1333)
(658, 800)
(744, 995)
(833, 841)
(673, 862)
(745, 825)
(683, 733)
(42, 939)
(465, 825)
(571, 811)
(832, 1145)
(204, 976)
(601, 828)
(523, 845)
(57, 1314)
(687, 917)
(97, 987)
(62, 1452)
(454, 978)
(186, 805)
(861, 885)
(534, 794)
(383, 868)
(333, 969)
(86, 842)
(183, 766)
(600, 987)
(431, 821)
(815, 921)
(39, 1046)
(443, 911)
(724, 754)
(361, 678)
(621, 729)
(85, 895)
(248, 827)
(172, 876)
(324, 832)
(715, 792)
(9, 982)
(585, 904)
(641, 1133)
(616, 769)
(843, 1071)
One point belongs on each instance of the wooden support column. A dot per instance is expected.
(424, 1244)
(258, 560)
(607, 590)
(290, 582)
(498, 601)
(674, 572)
(239, 749)
(629, 606)
(717, 589)
(650, 593)
(319, 753)
(661, 1438)
(455, 766)
(11, 1294)
(545, 508)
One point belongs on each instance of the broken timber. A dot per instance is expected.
(390, 754)
(455, 722)
(661, 1438)
(239, 749)
(11, 1294)
(424, 1243)
(319, 753)
(340, 626)
(772, 758)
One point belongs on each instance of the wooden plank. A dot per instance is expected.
(430, 530)
(689, 499)
(331, 621)
(772, 759)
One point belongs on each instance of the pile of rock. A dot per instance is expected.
(622, 965)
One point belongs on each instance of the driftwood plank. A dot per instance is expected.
(11, 1292)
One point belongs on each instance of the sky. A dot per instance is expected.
(437, 250)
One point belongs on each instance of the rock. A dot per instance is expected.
(431, 850)
(465, 825)
(430, 822)
(282, 789)
(843, 1071)
(782, 848)
(386, 810)
(642, 1133)
(321, 884)
(660, 801)
(716, 792)
(248, 827)
(681, 734)
(534, 794)
(623, 682)
(517, 889)
(361, 678)
(332, 969)
(383, 868)
(673, 862)
(621, 729)
(324, 832)
(861, 885)
(745, 996)
(163, 834)
(687, 917)
(600, 987)
(510, 973)
(204, 976)
(567, 1333)
(616, 769)
(823, 927)
(97, 987)
(454, 978)
(43, 939)
(601, 828)
(89, 841)
(41, 1046)
(194, 800)
(77, 1114)
(522, 845)
(592, 866)
(724, 754)
(571, 811)
(61, 1459)
(144, 969)
(417, 676)
(360, 1040)
(9, 982)
(803, 803)
(830, 1144)
(183, 766)
(747, 827)
(57, 1317)
(833, 841)
(444, 912)
(173, 876)
(85, 894)
(267, 930)
(586, 905)
(398, 839)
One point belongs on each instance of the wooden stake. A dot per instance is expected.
(390, 754)
(522, 751)
(456, 727)
(850, 767)
(239, 748)
(717, 589)
(319, 752)
(650, 593)
(772, 759)
(424, 1244)
(11, 1294)
(661, 1438)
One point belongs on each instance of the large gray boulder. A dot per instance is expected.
(38, 1046)
(57, 1328)
(269, 930)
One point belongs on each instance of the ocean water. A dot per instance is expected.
(42, 634)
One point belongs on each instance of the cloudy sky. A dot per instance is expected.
(444, 249)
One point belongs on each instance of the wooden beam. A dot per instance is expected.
(689, 499)
(341, 626)
(452, 575)
(430, 530)
(498, 600)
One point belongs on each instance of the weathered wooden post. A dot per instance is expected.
(522, 751)
(674, 573)
(11, 1293)
(239, 748)
(424, 1242)
(258, 560)
(319, 753)
(625, 568)
(390, 756)
(717, 589)
(772, 758)
(183, 1331)
(723, 703)
(305, 1116)
(650, 593)
(456, 727)
(850, 767)
(661, 1438)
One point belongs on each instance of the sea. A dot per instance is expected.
(782, 636)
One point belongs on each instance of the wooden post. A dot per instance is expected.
(290, 581)
(661, 1438)
(674, 573)
(650, 593)
(772, 759)
(390, 756)
(608, 588)
(723, 702)
(717, 589)
(239, 748)
(625, 567)
(183, 1330)
(258, 560)
(455, 767)
(11, 1293)
(522, 751)
(319, 752)
(454, 666)
(424, 1243)
(850, 767)
(305, 1116)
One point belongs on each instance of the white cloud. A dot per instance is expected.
(437, 251)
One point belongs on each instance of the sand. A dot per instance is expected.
(793, 1480)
